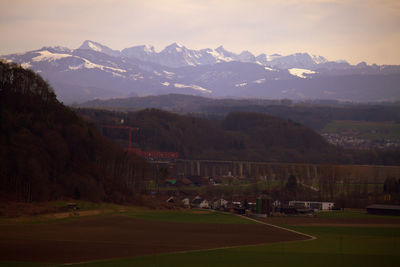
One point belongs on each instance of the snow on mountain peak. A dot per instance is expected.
(149, 49)
(245, 53)
(298, 60)
(94, 46)
(273, 56)
(175, 44)
(141, 52)
(46, 55)
(225, 55)
(178, 45)
(222, 50)
(193, 86)
(57, 49)
(301, 57)
(90, 45)
(174, 47)
(301, 73)
(341, 61)
(318, 59)
(246, 56)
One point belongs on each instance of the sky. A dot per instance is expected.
(353, 30)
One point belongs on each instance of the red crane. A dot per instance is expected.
(138, 151)
(124, 127)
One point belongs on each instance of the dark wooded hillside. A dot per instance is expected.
(48, 152)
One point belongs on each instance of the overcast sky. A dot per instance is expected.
(355, 30)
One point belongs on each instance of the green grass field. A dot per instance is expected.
(334, 246)
(353, 214)
(369, 130)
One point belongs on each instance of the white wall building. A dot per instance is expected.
(314, 205)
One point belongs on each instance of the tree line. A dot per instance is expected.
(314, 114)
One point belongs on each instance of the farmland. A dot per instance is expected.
(141, 237)
(130, 234)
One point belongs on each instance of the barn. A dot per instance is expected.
(384, 209)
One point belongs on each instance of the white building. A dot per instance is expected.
(204, 204)
(314, 205)
(186, 202)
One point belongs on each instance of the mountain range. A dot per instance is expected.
(95, 71)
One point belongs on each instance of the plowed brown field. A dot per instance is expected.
(115, 236)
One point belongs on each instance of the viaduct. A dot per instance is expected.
(306, 173)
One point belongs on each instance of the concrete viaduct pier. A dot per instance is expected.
(306, 173)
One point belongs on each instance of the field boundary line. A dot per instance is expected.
(273, 225)
(282, 228)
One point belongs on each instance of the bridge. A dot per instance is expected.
(305, 173)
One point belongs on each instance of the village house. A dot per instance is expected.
(170, 200)
(186, 202)
(205, 204)
(219, 204)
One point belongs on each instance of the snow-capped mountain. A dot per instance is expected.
(141, 52)
(97, 71)
(298, 60)
(176, 55)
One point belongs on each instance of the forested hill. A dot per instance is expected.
(48, 152)
(239, 136)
